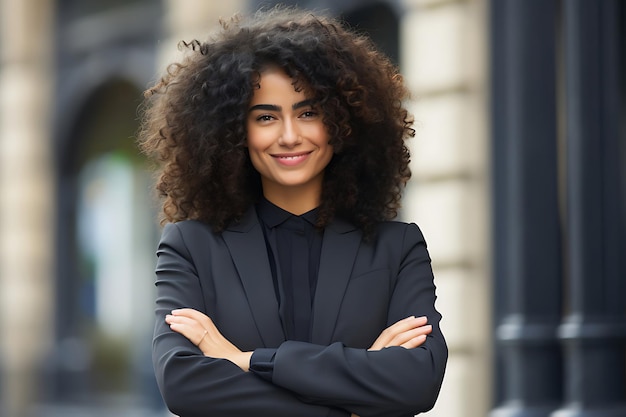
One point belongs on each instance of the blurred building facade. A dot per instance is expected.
(519, 185)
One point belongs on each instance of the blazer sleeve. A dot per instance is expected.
(391, 382)
(192, 384)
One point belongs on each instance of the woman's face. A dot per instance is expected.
(287, 139)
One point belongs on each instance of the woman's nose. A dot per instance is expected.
(290, 135)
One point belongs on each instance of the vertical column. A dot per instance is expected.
(527, 269)
(594, 330)
(26, 190)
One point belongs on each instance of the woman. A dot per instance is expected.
(283, 288)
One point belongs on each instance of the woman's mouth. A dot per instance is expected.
(291, 159)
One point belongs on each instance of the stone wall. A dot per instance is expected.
(443, 57)
(26, 197)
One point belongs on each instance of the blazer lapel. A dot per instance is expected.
(246, 244)
(339, 248)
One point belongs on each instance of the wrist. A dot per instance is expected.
(243, 360)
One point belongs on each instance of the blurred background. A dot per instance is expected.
(519, 185)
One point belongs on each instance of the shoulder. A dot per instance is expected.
(185, 228)
(187, 233)
(398, 230)
(200, 229)
(401, 238)
(391, 232)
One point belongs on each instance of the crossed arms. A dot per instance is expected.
(203, 374)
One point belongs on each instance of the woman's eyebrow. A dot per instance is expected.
(303, 103)
(274, 107)
(270, 107)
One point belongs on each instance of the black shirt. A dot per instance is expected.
(294, 248)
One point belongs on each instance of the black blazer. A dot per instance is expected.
(362, 289)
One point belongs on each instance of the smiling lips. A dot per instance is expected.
(291, 159)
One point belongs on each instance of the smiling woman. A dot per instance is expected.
(287, 142)
(283, 288)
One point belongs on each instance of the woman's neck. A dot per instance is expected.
(295, 200)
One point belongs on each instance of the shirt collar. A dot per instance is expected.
(272, 215)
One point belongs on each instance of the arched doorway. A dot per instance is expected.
(107, 231)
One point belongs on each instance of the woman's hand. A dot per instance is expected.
(201, 331)
(409, 333)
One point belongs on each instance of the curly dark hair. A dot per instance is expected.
(194, 120)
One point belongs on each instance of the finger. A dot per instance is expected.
(406, 324)
(183, 325)
(189, 312)
(415, 342)
(170, 319)
(400, 338)
(199, 316)
(195, 334)
(188, 327)
(404, 337)
(390, 333)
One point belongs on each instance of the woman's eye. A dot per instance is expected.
(264, 118)
(309, 113)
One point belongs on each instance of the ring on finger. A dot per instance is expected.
(203, 336)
